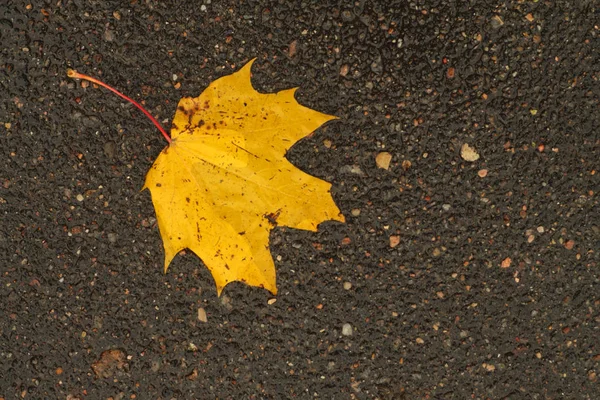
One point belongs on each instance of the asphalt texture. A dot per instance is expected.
(458, 279)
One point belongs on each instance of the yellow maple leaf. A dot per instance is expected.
(223, 182)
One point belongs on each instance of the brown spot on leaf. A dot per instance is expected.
(158, 185)
(272, 217)
(185, 111)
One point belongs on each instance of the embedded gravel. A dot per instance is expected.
(454, 276)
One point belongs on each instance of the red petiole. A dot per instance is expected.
(76, 75)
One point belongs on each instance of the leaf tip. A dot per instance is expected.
(247, 67)
(168, 258)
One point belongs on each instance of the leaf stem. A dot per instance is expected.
(76, 75)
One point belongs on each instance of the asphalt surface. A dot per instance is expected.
(459, 279)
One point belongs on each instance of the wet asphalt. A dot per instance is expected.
(456, 275)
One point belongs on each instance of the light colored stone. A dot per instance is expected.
(202, 315)
(468, 153)
(347, 330)
(489, 367)
(383, 160)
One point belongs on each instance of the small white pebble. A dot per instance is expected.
(347, 285)
(347, 330)
(79, 197)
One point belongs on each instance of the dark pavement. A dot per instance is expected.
(458, 279)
